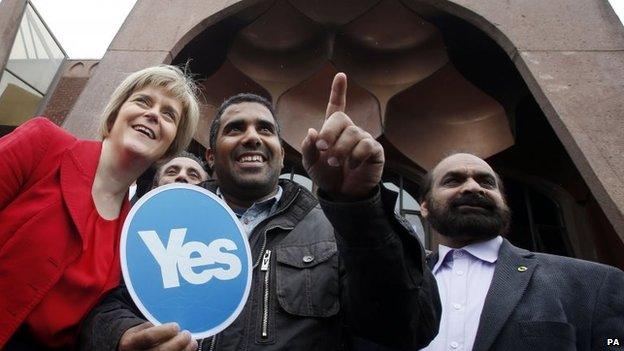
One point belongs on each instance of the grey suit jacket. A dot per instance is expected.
(546, 302)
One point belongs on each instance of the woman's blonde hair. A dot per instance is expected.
(177, 83)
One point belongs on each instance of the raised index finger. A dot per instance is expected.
(338, 95)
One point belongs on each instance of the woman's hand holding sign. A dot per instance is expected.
(344, 161)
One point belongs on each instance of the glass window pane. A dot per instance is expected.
(391, 186)
(35, 56)
(18, 102)
(418, 227)
(409, 202)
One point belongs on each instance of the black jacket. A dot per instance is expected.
(363, 280)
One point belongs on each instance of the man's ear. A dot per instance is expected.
(282, 160)
(209, 156)
(424, 209)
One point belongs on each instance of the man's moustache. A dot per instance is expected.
(474, 200)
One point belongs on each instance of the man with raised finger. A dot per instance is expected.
(326, 276)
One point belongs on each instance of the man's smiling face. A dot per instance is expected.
(248, 156)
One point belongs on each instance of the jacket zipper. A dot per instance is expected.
(264, 235)
(266, 261)
(265, 257)
(267, 254)
(200, 344)
(213, 342)
(264, 243)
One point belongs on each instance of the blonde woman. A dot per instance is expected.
(63, 201)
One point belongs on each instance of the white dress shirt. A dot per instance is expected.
(463, 277)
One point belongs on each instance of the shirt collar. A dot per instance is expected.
(443, 251)
(267, 202)
(484, 250)
(274, 199)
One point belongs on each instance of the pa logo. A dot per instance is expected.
(185, 258)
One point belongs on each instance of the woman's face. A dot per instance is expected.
(147, 122)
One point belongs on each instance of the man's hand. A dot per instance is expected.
(162, 338)
(344, 161)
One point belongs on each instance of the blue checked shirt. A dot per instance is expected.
(257, 212)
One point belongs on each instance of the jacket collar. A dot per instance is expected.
(78, 166)
(512, 274)
(257, 206)
(293, 211)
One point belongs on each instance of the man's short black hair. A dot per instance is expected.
(237, 99)
(427, 181)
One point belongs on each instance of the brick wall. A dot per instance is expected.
(75, 75)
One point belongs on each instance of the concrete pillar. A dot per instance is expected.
(11, 12)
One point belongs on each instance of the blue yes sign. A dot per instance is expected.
(185, 258)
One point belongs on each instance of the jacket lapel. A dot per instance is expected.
(78, 166)
(512, 274)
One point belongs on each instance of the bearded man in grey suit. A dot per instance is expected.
(496, 296)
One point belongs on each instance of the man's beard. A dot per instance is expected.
(249, 188)
(255, 188)
(483, 224)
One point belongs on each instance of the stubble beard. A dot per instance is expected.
(248, 187)
(256, 188)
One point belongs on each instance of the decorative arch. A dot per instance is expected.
(571, 59)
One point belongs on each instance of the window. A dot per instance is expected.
(409, 208)
(33, 63)
(537, 220)
(299, 179)
(18, 101)
(406, 204)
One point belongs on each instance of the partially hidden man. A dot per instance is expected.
(344, 271)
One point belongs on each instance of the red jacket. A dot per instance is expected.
(46, 228)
